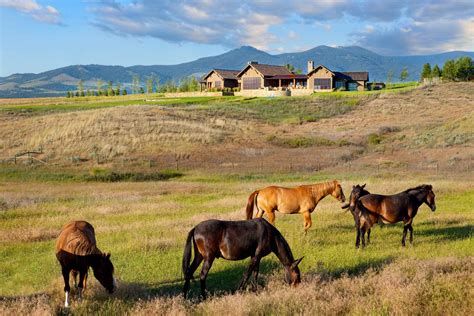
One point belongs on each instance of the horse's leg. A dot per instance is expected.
(247, 274)
(405, 229)
(307, 221)
(82, 276)
(358, 237)
(368, 235)
(74, 277)
(271, 216)
(363, 235)
(67, 288)
(410, 228)
(255, 274)
(204, 271)
(259, 213)
(189, 274)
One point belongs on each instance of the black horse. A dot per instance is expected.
(356, 193)
(391, 209)
(236, 240)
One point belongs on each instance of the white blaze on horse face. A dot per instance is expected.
(66, 302)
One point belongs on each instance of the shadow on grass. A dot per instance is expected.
(448, 233)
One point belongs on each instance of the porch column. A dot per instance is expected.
(294, 83)
(279, 84)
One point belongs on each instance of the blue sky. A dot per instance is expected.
(40, 35)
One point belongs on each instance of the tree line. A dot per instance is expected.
(151, 85)
(461, 69)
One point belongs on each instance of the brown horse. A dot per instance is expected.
(76, 251)
(394, 208)
(236, 240)
(356, 193)
(302, 199)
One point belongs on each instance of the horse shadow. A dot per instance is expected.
(448, 233)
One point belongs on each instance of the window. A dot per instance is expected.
(339, 84)
(251, 83)
(217, 84)
(352, 86)
(320, 84)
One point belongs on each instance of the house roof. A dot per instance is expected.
(223, 73)
(268, 70)
(320, 66)
(292, 76)
(352, 75)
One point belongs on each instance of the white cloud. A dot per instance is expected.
(46, 14)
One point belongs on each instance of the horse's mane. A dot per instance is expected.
(420, 187)
(281, 242)
(78, 238)
(330, 185)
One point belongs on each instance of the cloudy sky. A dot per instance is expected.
(39, 35)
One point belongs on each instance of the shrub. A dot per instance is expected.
(374, 139)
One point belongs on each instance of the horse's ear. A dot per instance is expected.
(363, 186)
(296, 262)
(107, 255)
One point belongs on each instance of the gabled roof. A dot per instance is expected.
(223, 73)
(317, 68)
(267, 70)
(353, 75)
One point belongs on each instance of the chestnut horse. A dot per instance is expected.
(394, 208)
(76, 251)
(302, 199)
(236, 240)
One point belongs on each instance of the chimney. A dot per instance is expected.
(310, 65)
(252, 62)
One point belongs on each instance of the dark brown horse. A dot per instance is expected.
(394, 208)
(76, 251)
(299, 200)
(236, 240)
(356, 193)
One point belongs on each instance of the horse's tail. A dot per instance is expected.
(188, 252)
(250, 203)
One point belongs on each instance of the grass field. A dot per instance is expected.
(143, 212)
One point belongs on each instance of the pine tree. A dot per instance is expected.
(68, 94)
(124, 91)
(404, 74)
(426, 72)
(142, 91)
(449, 70)
(435, 72)
(464, 68)
(117, 90)
(99, 87)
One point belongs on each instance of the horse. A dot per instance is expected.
(302, 199)
(392, 209)
(76, 251)
(236, 240)
(356, 193)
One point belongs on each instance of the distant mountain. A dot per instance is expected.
(353, 58)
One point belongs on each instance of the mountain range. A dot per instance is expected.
(352, 58)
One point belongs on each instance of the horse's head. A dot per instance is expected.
(356, 193)
(292, 273)
(104, 272)
(338, 193)
(430, 197)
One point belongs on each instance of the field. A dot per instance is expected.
(224, 150)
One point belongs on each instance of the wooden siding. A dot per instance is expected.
(251, 73)
(321, 73)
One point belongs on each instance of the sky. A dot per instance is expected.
(40, 35)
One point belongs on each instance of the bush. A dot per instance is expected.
(374, 139)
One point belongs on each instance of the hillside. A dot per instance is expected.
(353, 58)
(265, 135)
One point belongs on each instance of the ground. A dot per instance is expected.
(391, 141)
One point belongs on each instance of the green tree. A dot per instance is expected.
(142, 91)
(290, 67)
(426, 72)
(80, 87)
(117, 89)
(77, 93)
(135, 84)
(449, 70)
(464, 68)
(435, 72)
(68, 94)
(99, 87)
(124, 91)
(404, 74)
(110, 89)
(149, 85)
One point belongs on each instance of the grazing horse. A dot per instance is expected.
(236, 240)
(302, 199)
(76, 251)
(356, 193)
(394, 208)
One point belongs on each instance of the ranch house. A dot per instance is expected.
(271, 77)
(323, 79)
(219, 79)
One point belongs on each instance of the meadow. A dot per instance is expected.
(143, 216)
